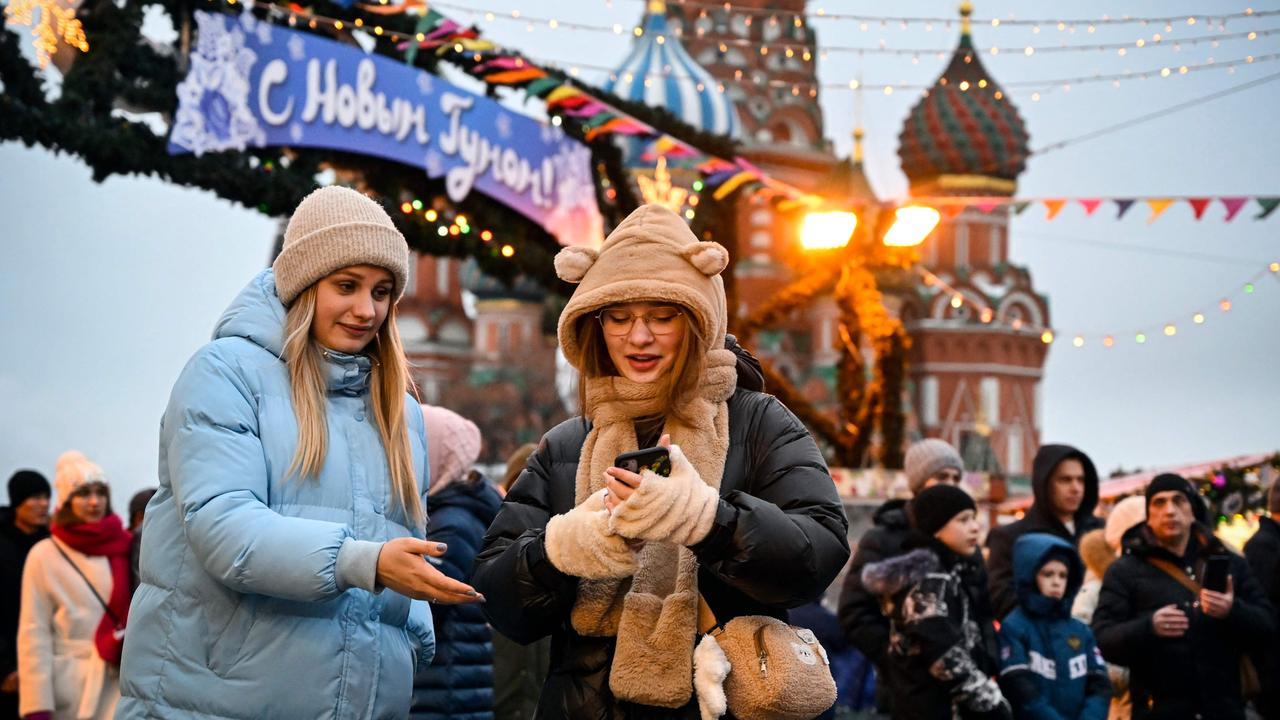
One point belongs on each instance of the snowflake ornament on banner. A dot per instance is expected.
(56, 22)
(213, 101)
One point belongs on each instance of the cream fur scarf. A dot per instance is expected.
(654, 614)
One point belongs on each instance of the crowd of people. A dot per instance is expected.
(321, 546)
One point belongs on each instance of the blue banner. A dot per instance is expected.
(254, 84)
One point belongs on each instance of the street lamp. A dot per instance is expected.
(827, 230)
(911, 225)
(831, 230)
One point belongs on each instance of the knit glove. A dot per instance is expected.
(678, 509)
(580, 543)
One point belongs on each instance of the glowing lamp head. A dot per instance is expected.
(911, 225)
(827, 230)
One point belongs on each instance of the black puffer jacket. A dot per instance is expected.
(859, 614)
(777, 542)
(860, 617)
(458, 683)
(1039, 519)
(1198, 674)
(1263, 553)
(942, 649)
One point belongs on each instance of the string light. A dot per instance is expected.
(508, 251)
(1046, 337)
(1170, 330)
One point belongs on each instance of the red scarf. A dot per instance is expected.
(106, 537)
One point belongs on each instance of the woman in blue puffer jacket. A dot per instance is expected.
(282, 573)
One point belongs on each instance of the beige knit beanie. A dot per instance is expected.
(336, 227)
(651, 256)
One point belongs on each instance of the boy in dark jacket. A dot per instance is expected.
(1050, 665)
(941, 656)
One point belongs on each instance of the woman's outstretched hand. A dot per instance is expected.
(402, 568)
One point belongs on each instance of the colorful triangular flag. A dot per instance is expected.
(1018, 207)
(1233, 206)
(1090, 204)
(1122, 207)
(1198, 206)
(1052, 208)
(987, 206)
(951, 210)
(1158, 206)
(1268, 206)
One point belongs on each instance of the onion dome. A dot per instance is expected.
(660, 73)
(964, 137)
(487, 287)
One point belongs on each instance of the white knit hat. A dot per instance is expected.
(336, 227)
(926, 458)
(73, 471)
(1126, 513)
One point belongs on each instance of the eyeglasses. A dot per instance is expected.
(619, 323)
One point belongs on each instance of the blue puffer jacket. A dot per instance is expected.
(256, 596)
(458, 684)
(1051, 668)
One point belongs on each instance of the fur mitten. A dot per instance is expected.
(678, 509)
(580, 543)
(710, 668)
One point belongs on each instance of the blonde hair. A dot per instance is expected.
(674, 388)
(390, 380)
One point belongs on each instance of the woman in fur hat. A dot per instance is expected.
(282, 570)
(75, 602)
(610, 563)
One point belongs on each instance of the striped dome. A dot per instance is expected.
(964, 125)
(660, 73)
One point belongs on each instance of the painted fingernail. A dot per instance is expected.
(442, 547)
(472, 593)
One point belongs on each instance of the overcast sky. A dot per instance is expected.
(108, 288)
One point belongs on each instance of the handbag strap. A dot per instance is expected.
(707, 622)
(84, 577)
(1172, 571)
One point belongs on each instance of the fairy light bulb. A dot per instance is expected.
(1108, 341)
(1046, 337)
(1170, 330)
(1225, 305)
(431, 215)
(1198, 318)
(508, 251)
(1141, 338)
(1078, 341)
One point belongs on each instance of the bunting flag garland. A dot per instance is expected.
(1158, 206)
(1198, 206)
(951, 207)
(1233, 206)
(1052, 208)
(1268, 206)
(1089, 205)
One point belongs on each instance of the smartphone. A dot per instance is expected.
(655, 459)
(1215, 573)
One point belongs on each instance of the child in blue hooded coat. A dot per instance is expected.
(1051, 668)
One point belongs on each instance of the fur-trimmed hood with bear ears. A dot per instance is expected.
(651, 256)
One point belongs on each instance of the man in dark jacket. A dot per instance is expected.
(1263, 553)
(1182, 647)
(928, 462)
(1065, 484)
(23, 524)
